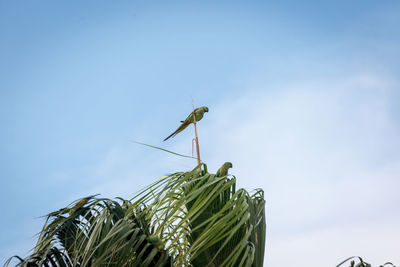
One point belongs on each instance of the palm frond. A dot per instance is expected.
(184, 219)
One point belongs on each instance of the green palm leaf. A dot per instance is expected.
(184, 219)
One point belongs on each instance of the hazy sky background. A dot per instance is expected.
(303, 98)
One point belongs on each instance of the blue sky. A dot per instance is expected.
(303, 100)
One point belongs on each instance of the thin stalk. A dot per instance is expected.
(196, 138)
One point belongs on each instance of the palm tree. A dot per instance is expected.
(185, 219)
(362, 263)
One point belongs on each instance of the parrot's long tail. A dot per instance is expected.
(180, 129)
(173, 134)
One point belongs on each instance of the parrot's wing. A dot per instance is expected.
(218, 173)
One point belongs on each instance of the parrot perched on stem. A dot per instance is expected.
(81, 203)
(199, 112)
(223, 171)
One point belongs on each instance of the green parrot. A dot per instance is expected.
(223, 171)
(80, 204)
(156, 241)
(199, 112)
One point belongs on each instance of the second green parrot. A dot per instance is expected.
(156, 241)
(223, 171)
(198, 112)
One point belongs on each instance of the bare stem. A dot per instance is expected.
(196, 138)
